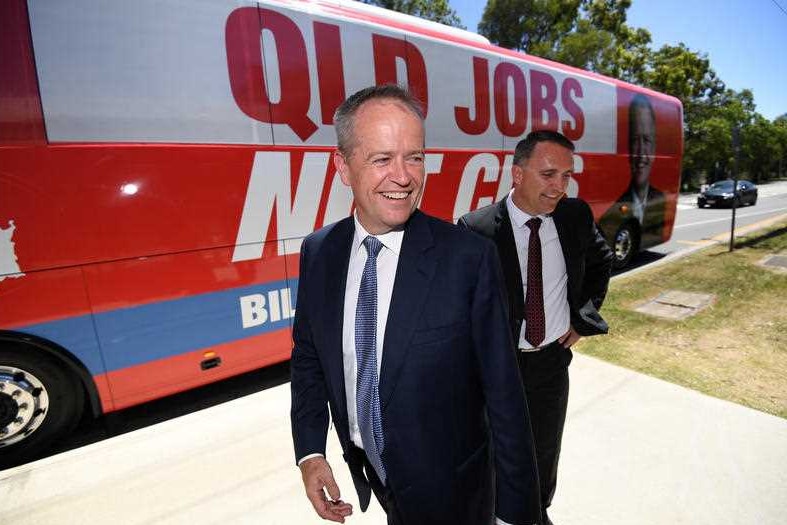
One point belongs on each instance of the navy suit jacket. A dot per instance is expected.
(587, 256)
(458, 448)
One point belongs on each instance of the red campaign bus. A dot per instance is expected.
(161, 162)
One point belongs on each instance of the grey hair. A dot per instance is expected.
(526, 146)
(344, 118)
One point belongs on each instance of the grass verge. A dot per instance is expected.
(736, 349)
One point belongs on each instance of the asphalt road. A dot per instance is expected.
(699, 226)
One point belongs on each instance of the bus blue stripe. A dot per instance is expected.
(136, 335)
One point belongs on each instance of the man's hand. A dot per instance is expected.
(317, 478)
(569, 338)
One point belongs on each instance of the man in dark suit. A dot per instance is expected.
(401, 329)
(556, 266)
(641, 203)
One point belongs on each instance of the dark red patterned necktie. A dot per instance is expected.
(535, 324)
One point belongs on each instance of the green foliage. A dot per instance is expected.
(760, 147)
(682, 73)
(435, 10)
(589, 34)
(709, 153)
(532, 26)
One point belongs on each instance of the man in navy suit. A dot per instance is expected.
(556, 266)
(422, 385)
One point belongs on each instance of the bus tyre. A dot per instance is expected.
(625, 245)
(39, 402)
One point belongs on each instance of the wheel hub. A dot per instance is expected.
(622, 244)
(8, 409)
(23, 404)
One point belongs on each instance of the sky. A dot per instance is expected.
(745, 40)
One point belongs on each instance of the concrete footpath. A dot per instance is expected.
(636, 450)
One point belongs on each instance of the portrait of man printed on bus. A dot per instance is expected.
(401, 329)
(641, 201)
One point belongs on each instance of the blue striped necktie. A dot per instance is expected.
(367, 396)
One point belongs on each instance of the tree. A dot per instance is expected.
(532, 26)
(708, 145)
(760, 149)
(589, 34)
(685, 74)
(707, 153)
(780, 130)
(435, 10)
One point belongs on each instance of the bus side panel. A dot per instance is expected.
(154, 379)
(461, 99)
(144, 71)
(603, 179)
(264, 343)
(21, 120)
(29, 300)
(665, 173)
(156, 348)
(669, 136)
(91, 203)
(139, 297)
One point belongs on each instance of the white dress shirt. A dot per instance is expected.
(387, 261)
(638, 206)
(553, 272)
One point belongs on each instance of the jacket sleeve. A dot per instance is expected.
(598, 265)
(517, 492)
(309, 411)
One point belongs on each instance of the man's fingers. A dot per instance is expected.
(331, 486)
(327, 510)
(341, 508)
(317, 478)
(318, 501)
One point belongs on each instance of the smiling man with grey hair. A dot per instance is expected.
(401, 332)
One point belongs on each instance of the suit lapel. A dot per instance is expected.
(337, 259)
(509, 259)
(411, 287)
(567, 243)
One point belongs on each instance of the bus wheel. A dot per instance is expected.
(625, 246)
(39, 402)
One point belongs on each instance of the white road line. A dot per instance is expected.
(727, 219)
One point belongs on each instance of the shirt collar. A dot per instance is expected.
(391, 240)
(518, 216)
(635, 197)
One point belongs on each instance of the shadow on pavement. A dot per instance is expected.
(93, 430)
